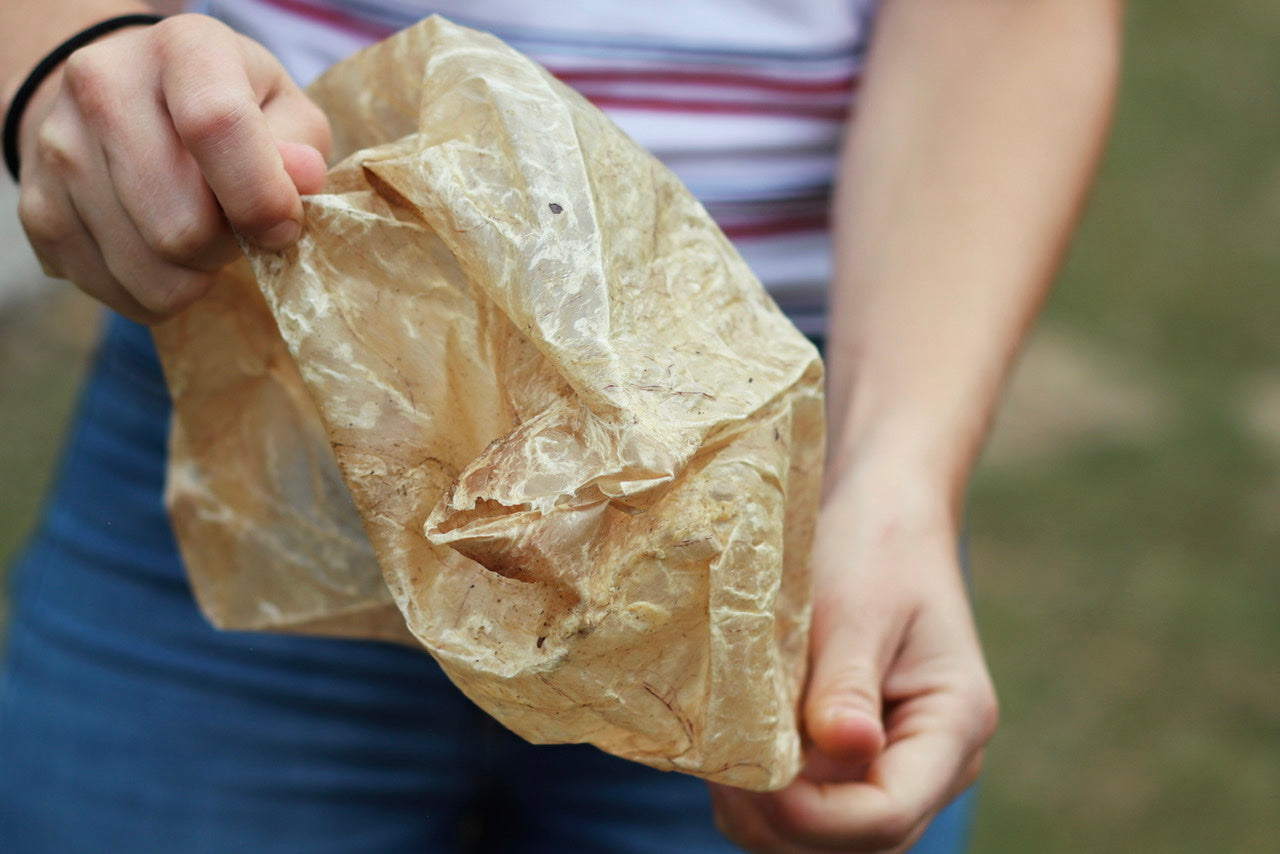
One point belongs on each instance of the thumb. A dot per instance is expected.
(303, 136)
(304, 164)
(843, 706)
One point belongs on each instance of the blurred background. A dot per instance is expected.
(1126, 520)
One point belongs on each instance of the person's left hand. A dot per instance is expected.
(899, 703)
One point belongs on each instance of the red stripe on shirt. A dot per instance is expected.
(333, 18)
(773, 228)
(589, 77)
(582, 79)
(693, 105)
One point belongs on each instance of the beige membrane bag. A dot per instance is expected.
(515, 398)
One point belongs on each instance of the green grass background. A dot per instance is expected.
(1129, 587)
(1128, 580)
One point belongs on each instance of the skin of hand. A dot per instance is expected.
(150, 146)
(154, 146)
(980, 125)
(900, 704)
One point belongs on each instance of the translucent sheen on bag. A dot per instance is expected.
(515, 398)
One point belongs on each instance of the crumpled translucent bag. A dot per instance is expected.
(512, 397)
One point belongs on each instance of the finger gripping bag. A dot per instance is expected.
(515, 399)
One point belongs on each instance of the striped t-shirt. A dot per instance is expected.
(744, 99)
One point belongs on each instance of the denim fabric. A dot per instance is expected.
(128, 725)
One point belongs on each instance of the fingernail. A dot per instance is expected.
(280, 235)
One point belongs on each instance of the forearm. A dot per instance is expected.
(978, 131)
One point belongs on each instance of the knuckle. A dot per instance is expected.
(886, 828)
(316, 130)
(56, 151)
(46, 224)
(179, 37)
(973, 771)
(165, 29)
(809, 825)
(858, 686)
(261, 211)
(986, 708)
(88, 80)
(747, 838)
(174, 293)
(170, 39)
(178, 32)
(739, 829)
(182, 238)
(889, 831)
(730, 829)
(854, 684)
(207, 119)
(849, 668)
(908, 844)
(725, 826)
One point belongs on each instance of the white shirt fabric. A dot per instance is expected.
(744, 99)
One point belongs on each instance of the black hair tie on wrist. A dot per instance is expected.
(46, 66)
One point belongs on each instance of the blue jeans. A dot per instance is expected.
(128, 725)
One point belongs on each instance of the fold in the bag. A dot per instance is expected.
(512, 350)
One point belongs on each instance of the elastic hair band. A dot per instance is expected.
(46, 66)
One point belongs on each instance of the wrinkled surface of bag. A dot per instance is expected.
(515, 398)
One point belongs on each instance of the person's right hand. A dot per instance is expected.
(150, 147)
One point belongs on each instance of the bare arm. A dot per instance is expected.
(977, 137)
(978, 131)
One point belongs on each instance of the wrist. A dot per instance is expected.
(906, 459)
(908, 409)
(28, 31)
(888, 507)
